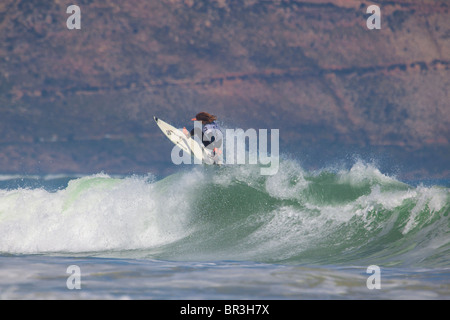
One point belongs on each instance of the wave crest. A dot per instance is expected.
(233, 213)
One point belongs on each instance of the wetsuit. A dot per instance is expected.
(211, 132)
(212, 139)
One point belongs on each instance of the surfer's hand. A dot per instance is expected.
(185, 132)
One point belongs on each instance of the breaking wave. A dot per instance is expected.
(353, 216)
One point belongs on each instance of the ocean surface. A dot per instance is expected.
(225, 233)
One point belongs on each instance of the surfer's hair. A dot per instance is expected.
(205, 117)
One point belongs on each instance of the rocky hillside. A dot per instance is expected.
(83, 100)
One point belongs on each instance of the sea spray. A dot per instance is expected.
(353, 216)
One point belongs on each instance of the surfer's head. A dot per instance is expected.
(204, 117)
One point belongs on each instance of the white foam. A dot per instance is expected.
(288, 182)
(106, 214)
(6, 177)
(362, 172)
(432, 199)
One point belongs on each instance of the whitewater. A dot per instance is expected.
(226, 232)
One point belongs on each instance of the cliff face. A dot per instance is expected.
(83, 100)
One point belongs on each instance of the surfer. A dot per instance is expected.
(211, 134)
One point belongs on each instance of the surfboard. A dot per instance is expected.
(179, 138)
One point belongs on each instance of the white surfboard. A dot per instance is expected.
(179, 138)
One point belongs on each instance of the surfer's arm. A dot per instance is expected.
(187, 133)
